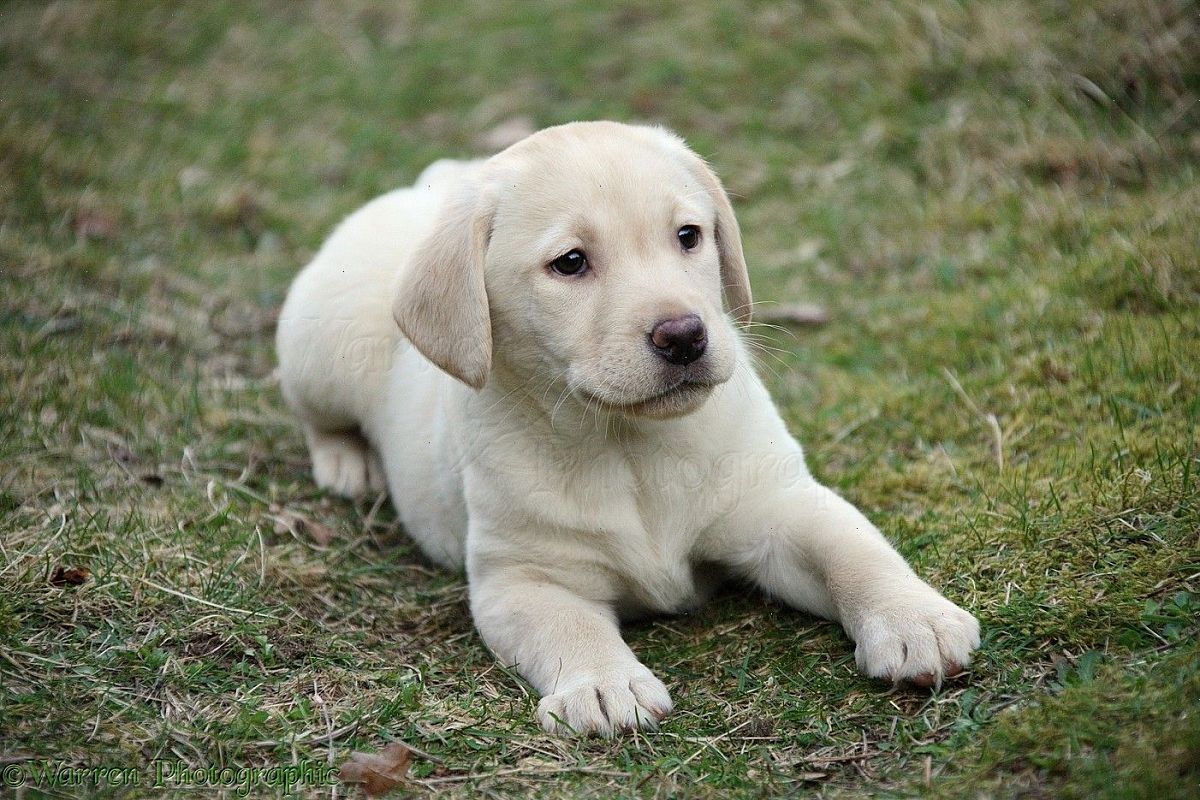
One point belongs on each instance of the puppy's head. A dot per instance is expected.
(593, 256)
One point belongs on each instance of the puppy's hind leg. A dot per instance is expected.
(344, 462)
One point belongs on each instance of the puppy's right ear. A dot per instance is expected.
(441, 302)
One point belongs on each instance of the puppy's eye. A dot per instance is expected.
(689, 237)
(570, 263)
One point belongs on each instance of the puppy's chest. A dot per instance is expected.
(651, 518)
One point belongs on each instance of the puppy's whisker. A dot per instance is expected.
(562, 397)
(771, 326)
(772, 353)
(764, 365)
(503, 400)
(766, 342)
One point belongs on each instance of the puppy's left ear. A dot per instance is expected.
(734, 277)
(441, 302)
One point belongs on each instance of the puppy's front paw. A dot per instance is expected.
(345, 464)
(606, 703)
(919, 636)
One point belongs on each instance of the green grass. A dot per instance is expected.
(998, 203)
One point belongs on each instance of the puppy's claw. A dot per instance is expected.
(925, 680)
(921, 638)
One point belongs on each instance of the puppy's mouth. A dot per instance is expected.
(682, 397)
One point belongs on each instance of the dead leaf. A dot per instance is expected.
(1055, 371)
(65, 323)
(238, 207)
(793, 314)
(333, 175)
(758, 727)
(321, 534)
(72, 576)
(377, 772)
(234, 320)
(296, 524)
(121, 454)
(93, 225)
(647, 103)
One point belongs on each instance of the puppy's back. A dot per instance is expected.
(336, 333)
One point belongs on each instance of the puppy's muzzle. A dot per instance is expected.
(679, 340)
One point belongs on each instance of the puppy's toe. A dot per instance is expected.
(344, 464)
(921, 638)
(606, 704)
(651, 695)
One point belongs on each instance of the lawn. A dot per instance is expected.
(997, 203)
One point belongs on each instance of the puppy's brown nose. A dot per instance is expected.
(680, 340)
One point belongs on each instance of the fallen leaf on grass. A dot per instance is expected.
(1056, 371)
(758, 727)
(121, 454)
(73, 576)
(93, 225)
(238, 207)
(296, 524)
(236, 321)
(65, 323)
(377, 772)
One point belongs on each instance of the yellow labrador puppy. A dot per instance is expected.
(530, 353)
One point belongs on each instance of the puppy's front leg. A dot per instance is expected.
(817, 552)
(570, 648)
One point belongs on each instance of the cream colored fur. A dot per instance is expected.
(528, 433)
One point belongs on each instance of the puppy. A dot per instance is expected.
(531, 355)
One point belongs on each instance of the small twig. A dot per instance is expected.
(307, 736)
(204, 602)
(835, 759)
(16, 758)
(320, 701)
(855, 425)
(997, 440)
(988, 418)
(471, 776)
(369, 521)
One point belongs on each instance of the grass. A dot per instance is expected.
(998, 203)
